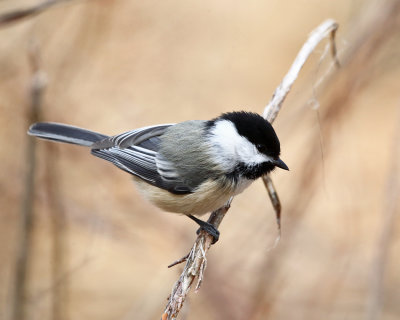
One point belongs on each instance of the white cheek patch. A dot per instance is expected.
(233, 148)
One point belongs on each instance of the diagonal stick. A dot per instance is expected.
(196, 261)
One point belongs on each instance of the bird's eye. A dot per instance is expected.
(261, 147)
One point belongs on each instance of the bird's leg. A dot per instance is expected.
(208, 227)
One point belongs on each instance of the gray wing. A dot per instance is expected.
(136, 152)
(132, 138)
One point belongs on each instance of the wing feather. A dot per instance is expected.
(132, 138)
(136, 152)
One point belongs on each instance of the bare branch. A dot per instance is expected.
(24, 242)
(196, 260)
(195, 265)
(327, 27)
(274, 106)
(17, 15)
(276, 203)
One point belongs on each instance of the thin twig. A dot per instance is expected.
(19, 14)
(328, 27)
(196, 260)
(194, 268)
(179, 261)
(370, 34)
(272, 109)
(38, 83)
(276, 203)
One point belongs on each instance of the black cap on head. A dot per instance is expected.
(257, 130)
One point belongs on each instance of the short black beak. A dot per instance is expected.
(280, 164)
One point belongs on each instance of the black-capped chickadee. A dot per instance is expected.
(192, 167)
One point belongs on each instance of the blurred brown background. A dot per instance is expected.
(92, 248)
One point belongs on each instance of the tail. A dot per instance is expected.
(65, 133)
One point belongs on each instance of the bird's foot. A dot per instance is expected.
(207, 227)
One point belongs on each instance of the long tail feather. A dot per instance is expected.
(65, 133)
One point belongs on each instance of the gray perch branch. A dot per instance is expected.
(20, 14)
(196, 260)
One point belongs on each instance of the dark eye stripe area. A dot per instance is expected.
(261, 147)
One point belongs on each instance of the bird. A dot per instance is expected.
(192, 167)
